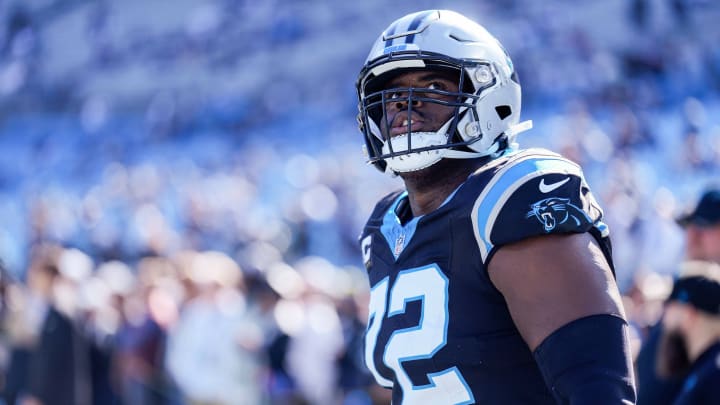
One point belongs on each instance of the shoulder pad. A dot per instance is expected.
(535, 192)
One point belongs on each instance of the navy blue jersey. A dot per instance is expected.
(438, 331)
(702, 385)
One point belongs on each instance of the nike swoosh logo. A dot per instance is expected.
(546, 188)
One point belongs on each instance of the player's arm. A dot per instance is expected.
(537, 223)
(562, 296)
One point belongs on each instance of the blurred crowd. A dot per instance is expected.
(181, 183)
(193, 328)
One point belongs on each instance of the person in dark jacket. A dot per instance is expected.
(690, 341)
(701, 224)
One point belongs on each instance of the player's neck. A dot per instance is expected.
(429, 188)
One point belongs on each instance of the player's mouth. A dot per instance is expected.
(402, 125)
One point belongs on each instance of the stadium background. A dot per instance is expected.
(155, 140)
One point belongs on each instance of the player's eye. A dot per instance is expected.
(434, 86)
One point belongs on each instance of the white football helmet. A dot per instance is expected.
(487, 106)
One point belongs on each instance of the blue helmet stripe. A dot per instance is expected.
(389, 33)
(414, 24)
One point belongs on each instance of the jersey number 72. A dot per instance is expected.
(428, 285)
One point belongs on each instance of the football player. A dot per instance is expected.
(491, 274)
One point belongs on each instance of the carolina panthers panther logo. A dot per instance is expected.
(555, 211)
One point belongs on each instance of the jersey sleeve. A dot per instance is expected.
(535, 194)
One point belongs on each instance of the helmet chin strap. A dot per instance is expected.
(420, 160)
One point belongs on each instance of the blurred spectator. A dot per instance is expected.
(690, 343)
(5, 345)
(213, 349)
(24, 313)
(702, 227)
(141, 338)
(353, 375)
(4, 284)
(61, 343)
(702, 230)
(314, 348)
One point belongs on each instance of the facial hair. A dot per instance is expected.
(673, 359)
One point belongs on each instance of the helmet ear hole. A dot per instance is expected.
(503, 111)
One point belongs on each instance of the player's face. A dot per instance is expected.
(423, 115)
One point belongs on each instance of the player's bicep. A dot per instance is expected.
(552, 280)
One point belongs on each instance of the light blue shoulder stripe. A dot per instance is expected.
(505, 182)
